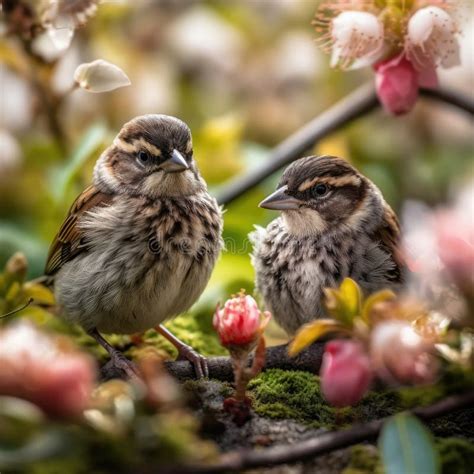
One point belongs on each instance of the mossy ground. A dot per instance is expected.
(284, 394)
(193, 329)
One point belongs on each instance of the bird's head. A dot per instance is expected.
(319, 194)
(151, 156)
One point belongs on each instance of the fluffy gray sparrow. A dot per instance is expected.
(334, 224)
(139, 244)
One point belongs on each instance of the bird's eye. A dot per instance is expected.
(320, 190)
(143, 156)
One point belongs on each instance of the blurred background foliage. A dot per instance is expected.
(244, 75)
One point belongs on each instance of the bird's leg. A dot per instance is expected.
(186, 352)
(117, 359)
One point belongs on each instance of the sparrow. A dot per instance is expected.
(139, 244)
(334, 223)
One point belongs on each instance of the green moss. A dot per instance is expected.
(226, 389)
(296, 395)
(376, 405)
(192, 330)
(454, 380)
(291, 394)
(365, 459)
(458, 424)
(457, 455)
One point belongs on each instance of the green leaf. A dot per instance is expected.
(13, 291)
(64, 177)
(352, 296)
(408, 447)
(14, 238)
(40, 294)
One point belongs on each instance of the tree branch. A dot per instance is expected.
(249, 459)
(450, 97)
(356, 105)
(220, 368)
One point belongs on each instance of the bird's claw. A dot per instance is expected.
(120, 366)
(199, 362)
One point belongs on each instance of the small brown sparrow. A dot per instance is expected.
(334, 224)
(139, 244)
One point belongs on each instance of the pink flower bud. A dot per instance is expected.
(240, 322)
(44, 370)
(396, 81)
(400, 355)
(345, 373)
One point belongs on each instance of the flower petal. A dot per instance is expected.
(431, 38)
(357, 39)
(100, 76)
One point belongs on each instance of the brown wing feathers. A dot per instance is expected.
(69, 240)
(389, 236)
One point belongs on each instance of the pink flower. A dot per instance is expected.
(455, 240)
(454, 234)
(439, 244)
(345, 373)
(358, 33)
(397, 83)
(44, 370)
(402, 356)
(240, 322)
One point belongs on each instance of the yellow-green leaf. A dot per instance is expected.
(13, 291)
(39, 293)
(311, 332)
(36, 314)
(344, 304)
(351, 296)
(373, 299)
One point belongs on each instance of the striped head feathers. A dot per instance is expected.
(151, 156)
(325, 193)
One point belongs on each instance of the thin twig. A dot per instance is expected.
(17, 310)
(311, 448)
(356, 105)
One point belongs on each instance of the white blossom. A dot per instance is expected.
(431, 38)
(358, 39)
(100, 76)
(61, 32)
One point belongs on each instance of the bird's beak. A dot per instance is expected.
(175, 164)
(280, 201)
